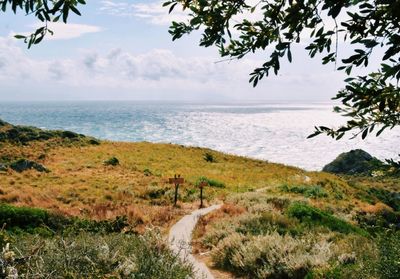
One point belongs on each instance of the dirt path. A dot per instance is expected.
(180, 237)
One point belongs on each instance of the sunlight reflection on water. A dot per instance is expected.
(273, 132)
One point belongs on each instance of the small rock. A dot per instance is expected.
(3, 167)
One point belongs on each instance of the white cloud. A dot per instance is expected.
(116, 8)
(151, 11)
(123, 74)
(64, 31)
(156, 14)
(116, 67)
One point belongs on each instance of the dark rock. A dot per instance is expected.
(94, 142)
(69, 135)
(23, 165)
(354, 162)
(113, 161)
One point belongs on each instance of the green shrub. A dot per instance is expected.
(313, 191)
(22, 217)
(208, 157)
(147, 172)
(154, 192)
(190, 195)
(113, 161)
(376, 222)
(39, 221)
(392, 199)
(314, 216)
(211, 182)
(218, 232)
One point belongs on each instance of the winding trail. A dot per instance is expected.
(180, 237)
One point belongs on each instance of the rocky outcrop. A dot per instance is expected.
(23, 165)
(354, 162)
(25, 134)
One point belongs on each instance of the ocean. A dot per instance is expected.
(276, 132)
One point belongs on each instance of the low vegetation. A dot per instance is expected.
(276, 222)
(210, 182)
(309, 191)
(37, 243)
(89, 255)
(315, 217)
(255, 235)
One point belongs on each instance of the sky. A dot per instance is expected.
(121, 50)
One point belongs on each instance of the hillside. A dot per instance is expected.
(97, 180)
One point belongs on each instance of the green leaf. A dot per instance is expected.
(289, 55)
(75, 10)
(65, 12)
(172, 8)
(364, 134)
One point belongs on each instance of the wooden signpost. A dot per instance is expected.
(176, 180)
(202, 184)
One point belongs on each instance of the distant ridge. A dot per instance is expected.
(25, 134)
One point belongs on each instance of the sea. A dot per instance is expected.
(271, 131)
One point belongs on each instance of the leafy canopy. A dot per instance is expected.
(44, 10)
(238, 28)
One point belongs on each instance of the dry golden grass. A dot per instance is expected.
(79, 184)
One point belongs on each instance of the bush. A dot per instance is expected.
(34, 220)
(154, 192)
(22, 217)
(314, 216)
(267, 222)
(93, 256)
(113, 161)
(147, 172)
(314, 191)
(208, 157)
(382, 219)
(211, 182)
(272, 255)
(392, 199)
